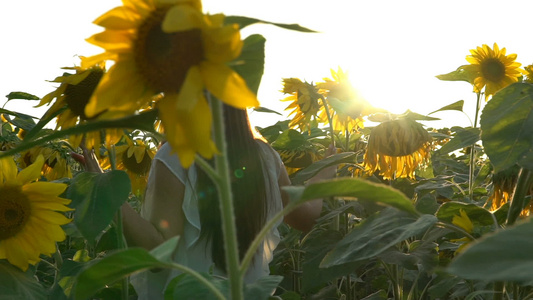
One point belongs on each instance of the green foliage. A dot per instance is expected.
(507, 126)
(355, 188)
(377, 234)
(96, 198)
(15, 284)
(454, 106)
(506, 255)
(250, 64)
(246, 21)
(21, 96)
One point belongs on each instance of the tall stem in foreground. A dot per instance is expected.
(222, 181)
(330, 119)
(473, 154)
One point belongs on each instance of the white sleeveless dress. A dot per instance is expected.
(191, 251)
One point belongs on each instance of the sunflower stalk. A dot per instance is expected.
(121, 244)
(222, 181)
(473, 154)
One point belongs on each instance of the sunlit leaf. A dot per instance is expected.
(507, 125)
(36, 130)
(250, 64)
(454, 106)
(246, 21)
(477, 214)
(289, 139)
(21, 96)
(376, 235)
(355, 188)
(464, 137)
(266, 110)
(458, 75)
(96, 198)
(15, 284)
(506, 255)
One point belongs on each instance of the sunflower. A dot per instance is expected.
(56, 164)
(30, 222)
(135, 157)
(396, 148)
(296, 159)
(503, 184)
(170, 47)
(529, 74)
(492, 69)
(305, 104)
(346, 106)
(73, 94)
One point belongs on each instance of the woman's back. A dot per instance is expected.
(193, 251)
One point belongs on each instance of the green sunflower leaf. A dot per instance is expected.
(16, 284)
(461, 74)
(96, 198)
(507, 126)
(266, 110)
(454, 106)
(21, 96)
(506, 255)
(143, 121)
(463, 137)
(377, 234)
(251, 63)
(313, 169)
(246, 21)
(477, 214)
(352, 189)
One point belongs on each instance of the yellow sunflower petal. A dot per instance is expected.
(119, 18)
(223, 44)
(112, 40)
(191, 90)
(8, 170)
(139, 153)
(45, 188)
(227, 85)
(182, 18)
(32, 172)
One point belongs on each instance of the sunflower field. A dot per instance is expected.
(414, 212)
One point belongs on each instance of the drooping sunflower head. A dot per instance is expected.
(170, 48)
(304, 101)
(56, 160)
(30, 213)
(492, 69)
(345, 104)
(74, 91)
(296, 159)
(503, 184)
(397, 148)
(135, 157)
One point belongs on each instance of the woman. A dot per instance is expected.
(184, 202)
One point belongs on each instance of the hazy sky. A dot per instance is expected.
(392, 49)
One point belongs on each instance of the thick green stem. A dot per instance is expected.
(473, 154)
(330, 120)
(223, 184)
(519, 195)
(121, 242)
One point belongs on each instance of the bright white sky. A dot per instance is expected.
(391, 49)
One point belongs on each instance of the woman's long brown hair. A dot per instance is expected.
(247, 183)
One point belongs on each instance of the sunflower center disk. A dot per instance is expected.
(493, 69)
(15, 210)
(163, 59)
(131, 164)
